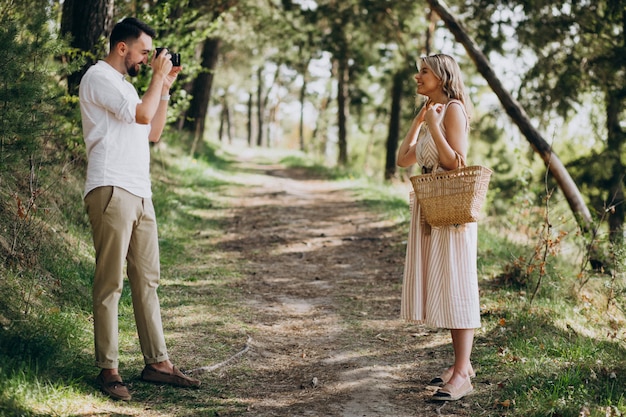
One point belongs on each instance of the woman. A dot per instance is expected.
(440, 285)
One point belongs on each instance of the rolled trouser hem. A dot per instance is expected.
(107, 365)
(150, 361)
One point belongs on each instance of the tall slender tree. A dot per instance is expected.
(200, 86)
(195, 118)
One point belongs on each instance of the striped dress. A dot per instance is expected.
(440, 285)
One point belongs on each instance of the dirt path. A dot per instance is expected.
(323, 279)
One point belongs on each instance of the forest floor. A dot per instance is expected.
(322, 275)
(315, 302)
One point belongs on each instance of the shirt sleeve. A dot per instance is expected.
(117, 96)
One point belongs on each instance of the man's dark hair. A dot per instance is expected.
(129, 29)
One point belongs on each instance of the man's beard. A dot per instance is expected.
(131, 68)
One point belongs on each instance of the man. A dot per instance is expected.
(117, 128)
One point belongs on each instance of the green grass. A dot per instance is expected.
(545, 370)
(551, 357)
(554, 357)
(530, 356)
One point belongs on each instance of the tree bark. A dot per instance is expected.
(519, 116)
(88, 22)
(249, 123)
(430, 30)
(259, 107)
(394, 123)
(301, 122)
(220, 132)
(263, 105)
(229, 125)
(615, 145)
(342, 108)
(319, 135)
(195, 121)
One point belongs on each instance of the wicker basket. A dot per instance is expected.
(452, 197)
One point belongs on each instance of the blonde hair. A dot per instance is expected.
(447, 70)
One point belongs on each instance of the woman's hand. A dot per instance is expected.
(434, 114)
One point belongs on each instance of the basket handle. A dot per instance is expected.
(460, 160)
(460, 163)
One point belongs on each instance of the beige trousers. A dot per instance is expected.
(125, 231)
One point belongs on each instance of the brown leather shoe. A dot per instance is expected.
(113, 387)
(177, 378)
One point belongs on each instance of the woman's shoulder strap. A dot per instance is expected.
(463, 109)
(455, 100)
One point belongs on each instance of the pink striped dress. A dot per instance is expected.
(440, 285)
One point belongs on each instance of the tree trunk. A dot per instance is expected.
(195, 120)
(249, 124)
(430, 31)
(615, 145)
(225, 124)
(342, 108)
(301, 125)
(394, 123)
(272, 130)
(220, 132)
(259, 107)
(319, 135)
(519, 116)
(88, 22)
(263, 105)
(229, 125)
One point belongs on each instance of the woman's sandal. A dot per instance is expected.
(451, 393)
(443, 379)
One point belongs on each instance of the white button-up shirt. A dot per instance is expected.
(118, 149)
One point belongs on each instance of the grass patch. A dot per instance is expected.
(559, 356)
(549, 358)
(555, 357)
(543, 370)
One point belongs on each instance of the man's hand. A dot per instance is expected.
(171, 77)
(162, 64)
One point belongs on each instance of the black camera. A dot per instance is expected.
(175, 56)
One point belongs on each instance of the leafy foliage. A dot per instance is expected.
(575, 53)
(35, 154)
(44, 241)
